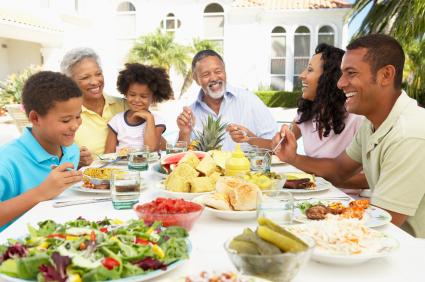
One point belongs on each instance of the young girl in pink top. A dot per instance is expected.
(323, 122)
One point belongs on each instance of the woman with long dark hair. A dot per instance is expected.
(322, 120)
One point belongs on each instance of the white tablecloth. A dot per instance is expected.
(209, 234)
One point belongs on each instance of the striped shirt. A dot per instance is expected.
(240, 107)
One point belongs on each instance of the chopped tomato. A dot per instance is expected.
(141, 241)
(103, 229)
(82, 246)
(110, 263)
(62, 236)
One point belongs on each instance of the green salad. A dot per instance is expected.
(82, 250)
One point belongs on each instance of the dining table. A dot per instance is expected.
(209, 234)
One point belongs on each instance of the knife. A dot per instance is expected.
(60, 204)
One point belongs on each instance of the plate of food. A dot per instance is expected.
(112, 157)
(234, 199)
(217, 276)
(300, 182)
(313, 210)
(345, 241)
(82, 187)
(70, 251)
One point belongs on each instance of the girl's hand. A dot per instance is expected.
(59, 179)
(144, 114)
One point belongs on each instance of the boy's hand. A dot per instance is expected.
(85, 157)
(186, 121)
(287, 150)
(58, 180)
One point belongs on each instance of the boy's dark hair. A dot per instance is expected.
(328, 108)
(205, 53)
(155, 78)
(382, 50)
(43, 89)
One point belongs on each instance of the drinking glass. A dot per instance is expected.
(125, 189)
(261, 160)
(138, 159)
(178, 147)
(275, 205)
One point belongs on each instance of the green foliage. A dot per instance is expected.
(279, 98)
(159, 49)
(11, 88)
(404, 20)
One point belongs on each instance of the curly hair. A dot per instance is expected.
(327, 110)
(155, 78)
(42, 90)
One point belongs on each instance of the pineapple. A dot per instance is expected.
(211, 136)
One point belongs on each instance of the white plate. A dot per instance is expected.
(179, 195)
(373, 216)
(245, 278)
(227, 215)
(378, 244)
(80, 188)
(276, 161)
(322, 185)
(328, 258)
(137, 278)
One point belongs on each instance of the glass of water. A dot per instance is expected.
(125, 189)
(261, 160)
(178, 147)
(276, 205)
(138, 159)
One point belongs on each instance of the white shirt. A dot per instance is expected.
(131, 135)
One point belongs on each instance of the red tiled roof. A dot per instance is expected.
(293, 4)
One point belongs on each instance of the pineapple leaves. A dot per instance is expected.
(211, 136)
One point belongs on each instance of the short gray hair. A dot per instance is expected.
(76, 55)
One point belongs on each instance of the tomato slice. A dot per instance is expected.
(110, 263)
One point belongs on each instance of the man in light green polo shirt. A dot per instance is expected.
(390, 144)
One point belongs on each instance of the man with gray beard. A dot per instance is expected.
(239, 108)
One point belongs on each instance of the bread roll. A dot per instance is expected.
(225, 184)
(244, 197)
(217, 201)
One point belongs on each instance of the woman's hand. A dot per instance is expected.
(238, 133)
(287, 150)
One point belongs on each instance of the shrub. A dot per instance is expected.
(11, 88)
(282, 99)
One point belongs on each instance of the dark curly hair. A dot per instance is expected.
(43, 89)
(327, 110)
(155, 78)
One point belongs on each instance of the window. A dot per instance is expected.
(126, 20)
(278, 56)
(171, 23)
(301, 53)
(214, 24)
(326, 35)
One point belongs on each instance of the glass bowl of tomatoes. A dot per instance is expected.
(171, 212)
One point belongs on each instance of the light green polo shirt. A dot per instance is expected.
(393, 159)
(94, 128)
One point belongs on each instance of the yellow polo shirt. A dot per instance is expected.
(94, 128)
(393, 159)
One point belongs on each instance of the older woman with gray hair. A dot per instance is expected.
(83, 66)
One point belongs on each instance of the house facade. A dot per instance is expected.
(265, 43)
